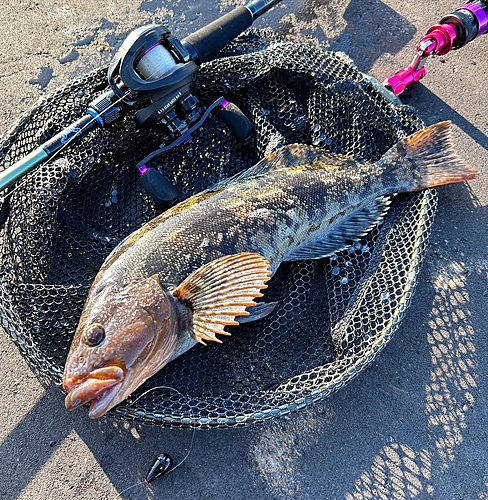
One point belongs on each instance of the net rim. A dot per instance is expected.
(45, 366)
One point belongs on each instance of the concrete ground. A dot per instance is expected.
(412, 425)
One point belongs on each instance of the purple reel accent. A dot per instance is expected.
(146, 51)
(143, 169)
(224, 103)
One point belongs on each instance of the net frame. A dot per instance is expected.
(63, 219)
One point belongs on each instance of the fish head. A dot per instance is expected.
(125, 335)
(128, 333)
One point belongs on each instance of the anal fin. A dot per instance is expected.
(351, 229)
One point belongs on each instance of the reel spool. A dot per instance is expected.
(154, 73)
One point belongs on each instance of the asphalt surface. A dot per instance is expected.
(412, 425)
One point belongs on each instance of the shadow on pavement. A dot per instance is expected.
(363, 30)
(422, 98)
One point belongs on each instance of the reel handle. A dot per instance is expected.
(163, 193)
(160, 189)
(239, 124)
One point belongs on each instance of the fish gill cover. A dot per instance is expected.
(333, 315)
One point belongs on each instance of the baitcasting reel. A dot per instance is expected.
(153, 73)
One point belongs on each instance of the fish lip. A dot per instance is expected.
(98, 383)
(101, 404)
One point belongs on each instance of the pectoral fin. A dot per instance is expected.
(221, 290)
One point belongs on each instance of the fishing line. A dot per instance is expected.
(129, 488)
(192, 436)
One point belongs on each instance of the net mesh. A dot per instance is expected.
(63, 219)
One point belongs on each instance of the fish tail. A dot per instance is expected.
(426, 159)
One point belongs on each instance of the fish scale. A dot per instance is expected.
(185, 275)
(251, 213)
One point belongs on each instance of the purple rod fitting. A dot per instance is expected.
(480, 14)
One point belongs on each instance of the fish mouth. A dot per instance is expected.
(100, 388)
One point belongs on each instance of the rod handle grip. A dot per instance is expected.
(210, 40)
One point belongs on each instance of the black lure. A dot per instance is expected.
(160, 466)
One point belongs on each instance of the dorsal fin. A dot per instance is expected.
(221, 290)
(291, 155)
(352, 229)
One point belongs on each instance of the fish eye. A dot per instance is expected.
(94, 335)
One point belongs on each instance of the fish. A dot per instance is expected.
(182, 277)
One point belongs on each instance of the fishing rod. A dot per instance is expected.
(452, 32)
(153, 74)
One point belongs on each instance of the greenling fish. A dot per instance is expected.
(186, 274)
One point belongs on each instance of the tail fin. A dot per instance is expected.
(426, 159)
